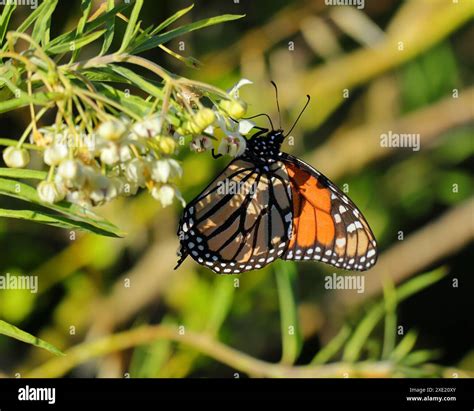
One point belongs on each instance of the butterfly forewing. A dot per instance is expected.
(241, 221)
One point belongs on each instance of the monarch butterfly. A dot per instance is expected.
(280, 207)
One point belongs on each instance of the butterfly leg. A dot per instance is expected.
(182, 256)
(214, 155)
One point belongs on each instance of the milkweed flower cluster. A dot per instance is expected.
(119, 156)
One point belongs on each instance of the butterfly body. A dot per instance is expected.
(283, 208)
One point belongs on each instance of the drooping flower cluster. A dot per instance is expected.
(120, 156)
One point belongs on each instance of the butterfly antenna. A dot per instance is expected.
(301, 113)
(259, 115)
(278, 104)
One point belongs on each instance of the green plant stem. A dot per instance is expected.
(11, 142)
(242, 362)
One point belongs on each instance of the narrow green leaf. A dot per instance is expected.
(32, 17)
(420, 357)
(89, 27)
(404, 346)
(138, 81)
(22, 173)
(327, 352)
(49, 219)
(364, 329)
(131, 102)
(223, 295)
(110, 29)
(285, 273)
(170, 20)
(131, 25)
(14, 332)
(86, 6)
(169, 35)
(390, 330)
(78, 43)
(40, 99)
(41, 29)
(22, 191)
(8, 10)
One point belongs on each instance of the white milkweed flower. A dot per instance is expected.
(234, 90)
(79, 198)
(112, 130)
(48, 192)
(54, 154)
(200, 144)
(148, 127)
(165, 194)
(135, 171)
(99, 188)
(235, 107)
(233, 146)
(110, 154)
(125, 153)
(72, 173)
(164, 169)
(15, 157)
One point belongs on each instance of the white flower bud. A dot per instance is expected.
(110, 155)
(15, 157)
(49, 192)
(149, 127)
(160, 171)
(125, 153)
(79, 198)
(112, 130)
(70, 170)
(163, 170)
(53, 155)
(135, 172)
(164, 194)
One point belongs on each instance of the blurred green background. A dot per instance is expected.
(400, 66)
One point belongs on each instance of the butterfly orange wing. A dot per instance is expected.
(327, 226)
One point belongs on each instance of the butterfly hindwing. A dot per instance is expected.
(327, 226)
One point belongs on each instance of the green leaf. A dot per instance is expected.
(42, 27)
(40, 99)
(131, 102)
(89, 27)
(110, 29)
(169, 35)
(8, 10)
(32, 17)
(82, 216)
(390, 331)
(138, 81)
(170, 20)
(14, 332)
(286, 273)
(22, 173)
(332, 347)
(404, 346)
(49, 219)
(366, 326)
(78, 43)
(223, 295)
(132, 26)
(86, 6)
